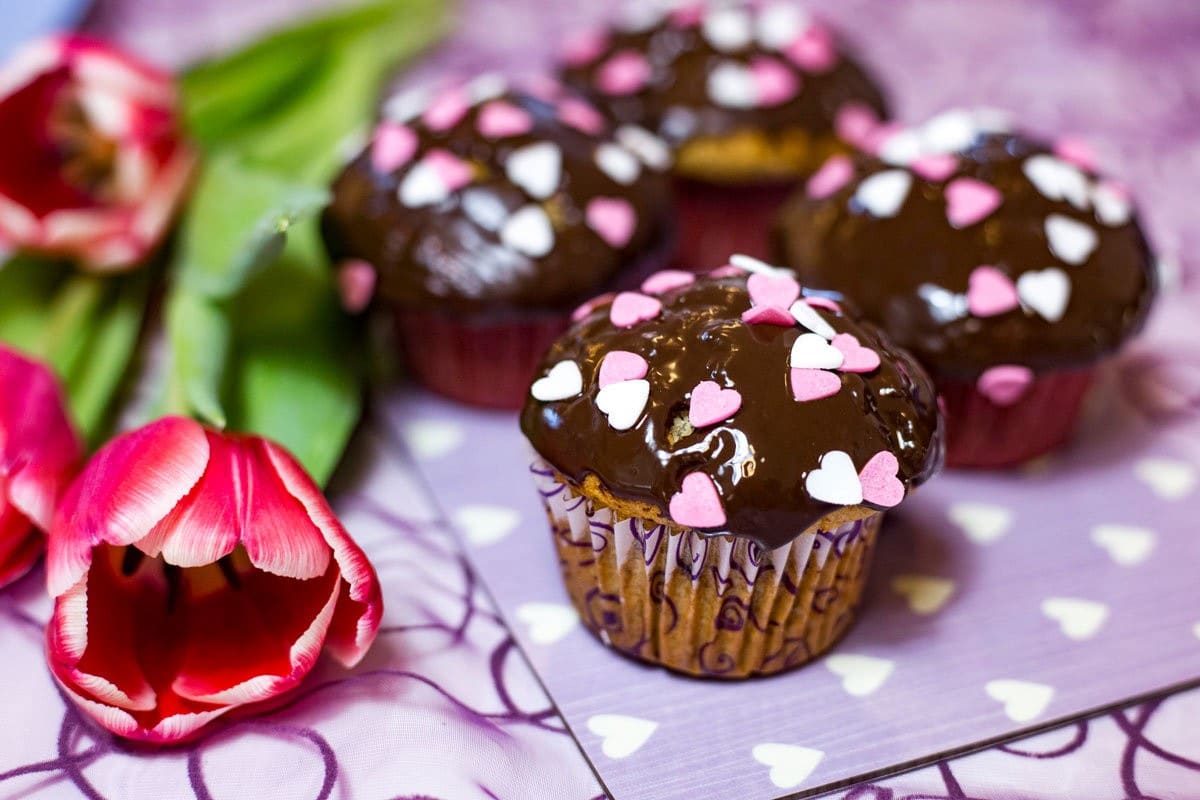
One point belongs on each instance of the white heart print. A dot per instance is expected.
(812, 351)
(1057, 180)
(562, 381)
(1046, 291)
(484, 525)
(433, 438)
(790, 764)
(1079, 619)
(861, 675)
(623, 402)
(983, 523)
(536, 168)
(925, 594)
(884, 193)
(836, 480)
(547, 623)
(621, 736)
(1023, 701)
(528, 231)
(1168, 478)
(1070, 239)
(1127, 545)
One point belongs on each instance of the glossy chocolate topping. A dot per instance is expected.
(482, 198)
(770, 457)
(715, 69)
(975, 247)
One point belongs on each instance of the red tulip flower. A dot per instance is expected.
(94, 164)
(194, 572)
(39, 455)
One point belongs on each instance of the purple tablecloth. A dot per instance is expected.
(445, 706)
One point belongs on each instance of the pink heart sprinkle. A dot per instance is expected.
(666, 280)
(446, 109)
(613, 219)
(712, 404)
(499, 119)
(588, 306)
(875, 140)
(580, 115)
(813, 50)
(356, 284)
(855, 357)
(624, 73)
(833, 175)
(1077, 151)
(990, 292)
(935, 167)
(622, 365)
(880, 486)
(817, 301)
(774, 83)
(630, 308)
(772, 290)
(697, 504)
(768, 315)
(392, 147)
(854, 122)
(686, 16)
(727, 271)
(584, 48)
(452, 170)
(968, 201)
(814, 384)
(1006, 384)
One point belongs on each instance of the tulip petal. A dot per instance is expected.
(123, 493)
(360, 606)
(174, 729)
(20, 544)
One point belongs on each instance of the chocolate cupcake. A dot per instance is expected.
(751, 97)
(1008, 266)
(715, 455)
(485, 215)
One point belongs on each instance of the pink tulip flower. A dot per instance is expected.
(195, 572)
(39, 455)
(94, 163)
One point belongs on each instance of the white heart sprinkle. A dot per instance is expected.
(779, 24)
(1078, 619)
(790, 765)
(836, 480)
(728, 29)
(653, 151)
(808, 316)
(1046, 291)
(485, 208)
(949, 132)
(1112, 208)
(528, 231)
(536, 168)
(618, 163)
(484, 525)
(423, 186)
(1070, 239)
(1127, 545)
(751, 264)
(1023, 701)
(1169, 479)
(407, 105)
(812, 351)
(1057, 180)
(925, 594)
(901, 148)
(861, 675)
(732, 85)
(983, 523)
(884, 193)
(562, 381)
(487, 86)
(433, 438)
(621, 736)
(623, 402)
(547, 623)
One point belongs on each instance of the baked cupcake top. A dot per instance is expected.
(977, 247)
(714, 69)
(735, 403)
(479, 196)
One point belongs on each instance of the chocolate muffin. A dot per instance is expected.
(1007, 265)
(486, 214)
(715, 455)
(751, 97)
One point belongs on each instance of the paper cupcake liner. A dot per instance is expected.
(981, 434)
(710, 606)
(716, 221)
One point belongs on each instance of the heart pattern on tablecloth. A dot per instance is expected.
(547, 623)
(861, 675)
(790, 765)
(925, 594)
(621, 735)
(1078, 619)
(1024, 701)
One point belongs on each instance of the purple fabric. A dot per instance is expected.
(445, 706)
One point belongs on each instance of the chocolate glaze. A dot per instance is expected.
(910, 272)
(760, 457)
(675, 102)
(449, 255)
